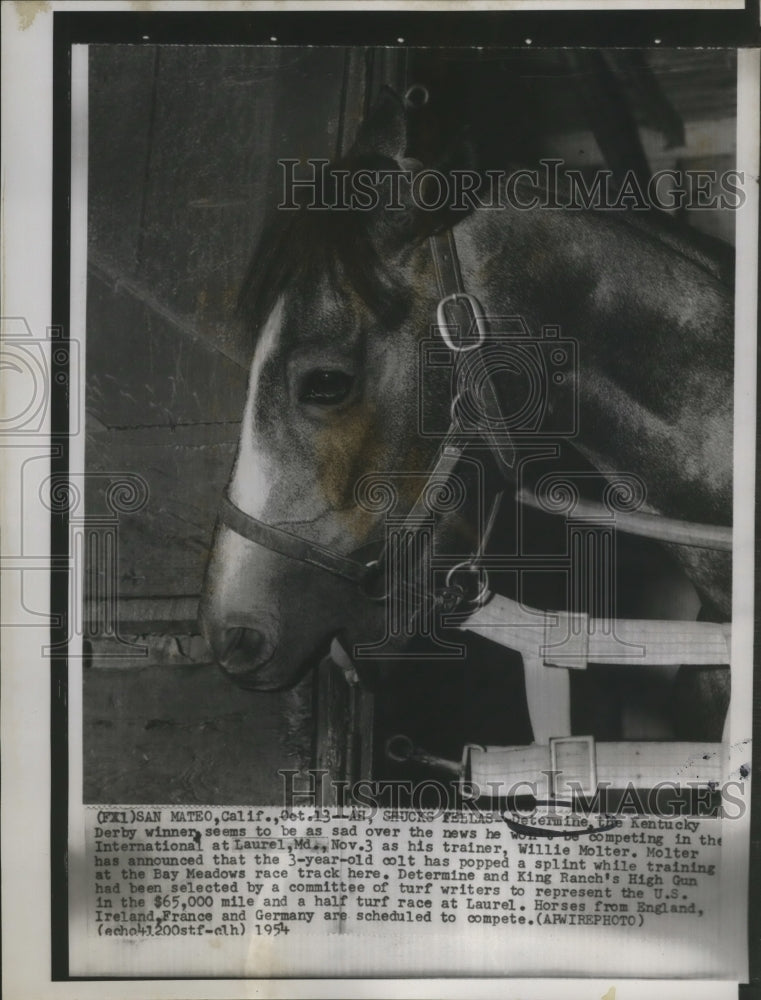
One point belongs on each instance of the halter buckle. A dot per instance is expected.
(573, 757)
(478, 321)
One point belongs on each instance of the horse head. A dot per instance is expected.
(337, 302)
(341, 303)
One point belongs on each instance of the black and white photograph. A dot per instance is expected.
(407, 349)
(400, 480)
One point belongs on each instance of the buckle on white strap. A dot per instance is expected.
(572, 759)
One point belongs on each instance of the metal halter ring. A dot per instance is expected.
(416, 96)
(478, 317)
(471, 567)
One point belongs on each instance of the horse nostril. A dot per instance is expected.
(229, 642)
(241, 650)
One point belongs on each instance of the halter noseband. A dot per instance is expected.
(293, 546)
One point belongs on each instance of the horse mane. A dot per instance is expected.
(302, 246)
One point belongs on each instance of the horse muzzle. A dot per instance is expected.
(267, 617)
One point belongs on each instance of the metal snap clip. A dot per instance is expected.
(482, 594)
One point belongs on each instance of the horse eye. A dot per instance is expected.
(325, 387)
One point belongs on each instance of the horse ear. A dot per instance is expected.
(384, 131)
(418, 196)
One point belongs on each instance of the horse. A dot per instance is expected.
(339, 304)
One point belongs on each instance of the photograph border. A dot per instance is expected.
(494, 28)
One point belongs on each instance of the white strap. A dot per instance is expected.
(547, 639)
(646, 525)
(548, 696)
(572, 641)
(495, 770)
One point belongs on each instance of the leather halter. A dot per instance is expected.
(293, 546)
(454, 299)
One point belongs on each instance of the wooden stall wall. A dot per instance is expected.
(183, 150)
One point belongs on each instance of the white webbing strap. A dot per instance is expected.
(552, 770)
(548, 641)
(647, 525)
(548, 697)
(559, 639)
